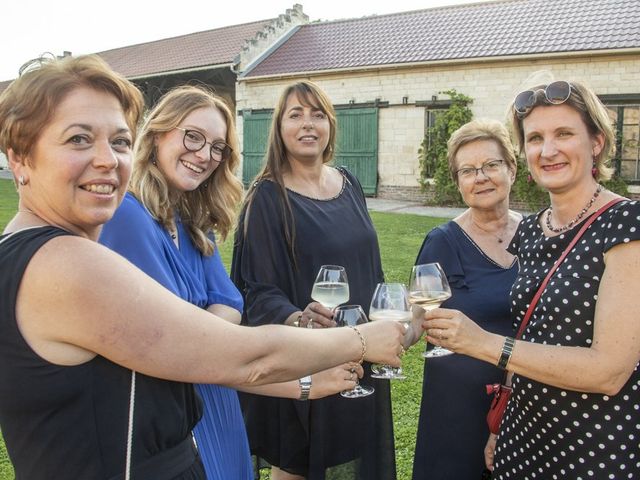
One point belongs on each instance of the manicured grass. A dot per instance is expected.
(400, 238)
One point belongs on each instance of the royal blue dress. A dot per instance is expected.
(201, 280)
(452, 430)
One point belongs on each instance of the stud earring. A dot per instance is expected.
(21, 180)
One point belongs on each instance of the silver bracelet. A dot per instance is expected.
(305, 387)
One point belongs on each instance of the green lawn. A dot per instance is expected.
(400, 237)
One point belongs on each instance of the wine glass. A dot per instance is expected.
(428, 288)
(350, 316)
(331, 287)
(390, 302)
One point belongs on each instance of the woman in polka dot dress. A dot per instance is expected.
(575, 408)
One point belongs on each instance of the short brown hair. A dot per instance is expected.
(30, 101)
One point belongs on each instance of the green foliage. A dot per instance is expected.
(616, 184)
(433, 149)
(8, 201)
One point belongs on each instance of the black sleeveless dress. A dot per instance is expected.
(70, 422)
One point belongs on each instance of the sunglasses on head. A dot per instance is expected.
(555, 93)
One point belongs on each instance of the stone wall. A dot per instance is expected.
(492, 85)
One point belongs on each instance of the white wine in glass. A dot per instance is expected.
(390, 301)
(428, 288)
(351, 316)
(331, 287)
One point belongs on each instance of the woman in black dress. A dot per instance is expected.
(300, 214)
(575, 409)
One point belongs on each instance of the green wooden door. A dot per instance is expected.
(357, 145)
(254, 143)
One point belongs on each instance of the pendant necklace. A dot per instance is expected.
(582, 213)
(499, 238)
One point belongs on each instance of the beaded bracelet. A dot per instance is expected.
(362, 342)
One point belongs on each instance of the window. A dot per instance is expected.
(625, 116)
(430, 116)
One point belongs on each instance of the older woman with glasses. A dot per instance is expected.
(575, 410)
(471, 248)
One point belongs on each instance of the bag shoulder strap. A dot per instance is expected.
(555, 266)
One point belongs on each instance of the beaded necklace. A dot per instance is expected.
(566, 227)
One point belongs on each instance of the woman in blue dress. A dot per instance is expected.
(182, 188)
(471, 249)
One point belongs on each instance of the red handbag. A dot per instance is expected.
(502, 393)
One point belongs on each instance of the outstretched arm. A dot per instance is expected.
(78, 299)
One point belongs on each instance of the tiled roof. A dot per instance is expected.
(211, 47)
(500, 28)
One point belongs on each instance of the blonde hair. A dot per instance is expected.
(30, 101)
(481, 129)
(276, 161)
(594, 115)
(210, 207)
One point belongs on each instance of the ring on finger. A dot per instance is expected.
(310, 324)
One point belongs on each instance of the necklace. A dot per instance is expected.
(499, 238)
(578, 217)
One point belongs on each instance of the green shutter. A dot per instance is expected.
(357, 145)
(254, 143)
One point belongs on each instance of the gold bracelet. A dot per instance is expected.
(362, 342)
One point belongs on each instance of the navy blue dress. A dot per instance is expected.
(202, 281)
(333, 437)
(452, 430)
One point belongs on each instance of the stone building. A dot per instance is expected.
(386, 74)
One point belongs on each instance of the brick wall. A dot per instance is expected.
(492, 85)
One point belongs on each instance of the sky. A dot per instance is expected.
(29, 28)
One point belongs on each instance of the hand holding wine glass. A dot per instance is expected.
(351, 316)
(428, 288)
(330, 289)
(390, 302)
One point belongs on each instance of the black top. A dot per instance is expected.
(551, 432)
(307, 438)
(70, 422)
(452, 430)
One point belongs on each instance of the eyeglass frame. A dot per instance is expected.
(532, 97)
(223, 157)
(481, 168)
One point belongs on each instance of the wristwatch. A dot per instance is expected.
(305, 387)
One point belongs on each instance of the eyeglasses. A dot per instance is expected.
(194, 141)
(488, 169)
(555, 93)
